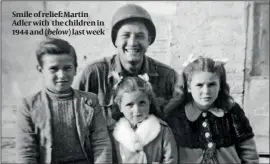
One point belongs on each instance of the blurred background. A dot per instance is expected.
(237, 30)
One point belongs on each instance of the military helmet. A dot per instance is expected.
(132, 12)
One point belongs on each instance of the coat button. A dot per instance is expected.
(204, 114)
(204, 124)
(210, 144)
(207, 134)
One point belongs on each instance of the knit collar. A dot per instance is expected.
(193, 112)
(135, 140)
(59, 96)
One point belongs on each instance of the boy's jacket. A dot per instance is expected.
(34, 137)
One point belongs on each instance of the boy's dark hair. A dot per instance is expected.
(55, 46)
(130, 84)
(224, 100)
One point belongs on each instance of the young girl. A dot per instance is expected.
(139, 135)
(209, 127)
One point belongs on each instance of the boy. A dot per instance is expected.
(60, 124)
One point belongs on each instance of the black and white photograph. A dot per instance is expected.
(146, 82)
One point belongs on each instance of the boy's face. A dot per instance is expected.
(58, 72)
(135, 106)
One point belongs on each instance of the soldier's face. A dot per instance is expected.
(132, 42)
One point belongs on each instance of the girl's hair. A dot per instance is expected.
(224, 100)
(55, 46)
(131, 84)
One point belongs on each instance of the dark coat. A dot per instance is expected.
(34, 137)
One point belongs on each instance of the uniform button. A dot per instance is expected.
(210, 144)
(204, 124)
(204, 114)
(207, 134)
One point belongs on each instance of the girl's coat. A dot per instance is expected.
(229, 134)
(151, 142)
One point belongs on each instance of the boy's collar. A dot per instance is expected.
(193, 113)
(58, 96)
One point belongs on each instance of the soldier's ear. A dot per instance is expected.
(150, 39)
(39, 68)
(189, 89)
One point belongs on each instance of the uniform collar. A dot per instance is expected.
(193, 113)
(147, 67)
